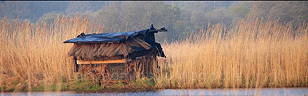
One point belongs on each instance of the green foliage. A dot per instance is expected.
(143, 83)
(43, 87)
(85, 85)
(116, 85)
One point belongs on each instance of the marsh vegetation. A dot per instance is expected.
(251, 52)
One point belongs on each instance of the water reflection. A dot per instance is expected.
(172, 92)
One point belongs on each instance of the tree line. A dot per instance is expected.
(180, 18)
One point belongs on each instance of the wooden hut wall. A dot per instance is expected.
(145, 66)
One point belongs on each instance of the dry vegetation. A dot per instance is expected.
(34, 54)
(252, 54)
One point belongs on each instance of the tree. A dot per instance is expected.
(291, 11)
(135, 16)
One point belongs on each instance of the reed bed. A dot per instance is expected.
(250, 54)
(34, 55)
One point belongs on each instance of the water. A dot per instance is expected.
(172, 92)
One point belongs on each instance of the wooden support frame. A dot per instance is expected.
(101, 61)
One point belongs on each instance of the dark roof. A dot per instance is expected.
(115, 37)
(146, 35)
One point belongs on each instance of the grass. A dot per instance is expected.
(250, 54)
(254, 54)
(35, 55)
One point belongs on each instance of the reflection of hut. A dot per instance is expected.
(117, 56)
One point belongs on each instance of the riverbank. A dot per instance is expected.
(140, 85)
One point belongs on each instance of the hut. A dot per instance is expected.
(117, 55)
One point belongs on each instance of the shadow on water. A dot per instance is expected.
(216, 92)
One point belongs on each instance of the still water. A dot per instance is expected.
(173, 92)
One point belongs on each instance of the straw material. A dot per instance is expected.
(95, 51)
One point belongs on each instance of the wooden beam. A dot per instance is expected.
(101, 62)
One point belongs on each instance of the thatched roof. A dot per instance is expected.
(90, 51)
(118, 44)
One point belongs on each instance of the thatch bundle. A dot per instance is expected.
(145, 66)
(96, 51)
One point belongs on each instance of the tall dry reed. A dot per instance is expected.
(250, 54)
(34, 54)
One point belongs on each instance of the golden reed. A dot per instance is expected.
(34, 54)
(252, 53)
